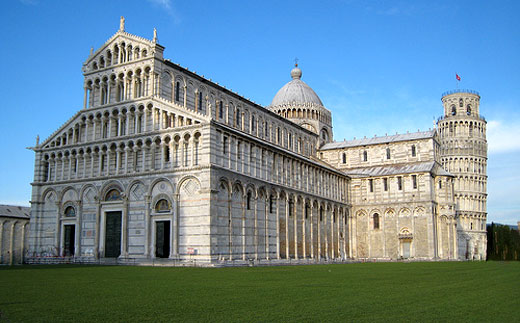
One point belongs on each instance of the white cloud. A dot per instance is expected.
(389, 12)
(29, 2)
(167, 6)
(503, 136)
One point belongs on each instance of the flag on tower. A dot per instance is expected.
(457, 76)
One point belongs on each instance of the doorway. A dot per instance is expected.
(162, 239)
(406, 249)
(113, 234)
(69, 235)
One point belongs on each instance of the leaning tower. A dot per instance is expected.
(462, 136)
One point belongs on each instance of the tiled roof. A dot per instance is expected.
(379, 140)
(14, 211)
(396, 169)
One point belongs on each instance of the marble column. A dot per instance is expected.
(124, 228)
(147, 225)
(277, 227)
(77, 240)
(311, 230)
(256, 228)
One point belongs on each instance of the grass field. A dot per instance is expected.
(455, 291)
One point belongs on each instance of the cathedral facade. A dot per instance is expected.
(162, 164)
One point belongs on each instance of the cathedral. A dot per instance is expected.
(165, 166)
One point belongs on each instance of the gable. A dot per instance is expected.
(67, 133)
(120, 48)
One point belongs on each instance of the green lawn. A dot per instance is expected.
(455, 291)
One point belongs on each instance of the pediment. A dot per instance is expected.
(106, 55)
(65, 134)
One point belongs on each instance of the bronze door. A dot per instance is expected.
(68, 240)
(162, 239)
(113, 234)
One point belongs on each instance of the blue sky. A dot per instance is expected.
(379, 66)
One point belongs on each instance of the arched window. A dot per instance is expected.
(344, 158)
(238, 120)
(113, 195)
(376, 221)
(177, 91)
(220, 109)
(413, 151)
(387, 153)
(461, 103)
(468, 110)
(104, 97)
(200, 105)
(453, 110)
(120, 92)
(166, 153)
(365, 156)
(70, 212)
(196, 149)
(163, 206)
(186, 154)
(324, 135)
(105, 129)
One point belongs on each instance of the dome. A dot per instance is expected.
(296, 91)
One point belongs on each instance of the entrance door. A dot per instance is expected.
(113, 234)
(162, 239)
(68, 240)
(406, 249)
